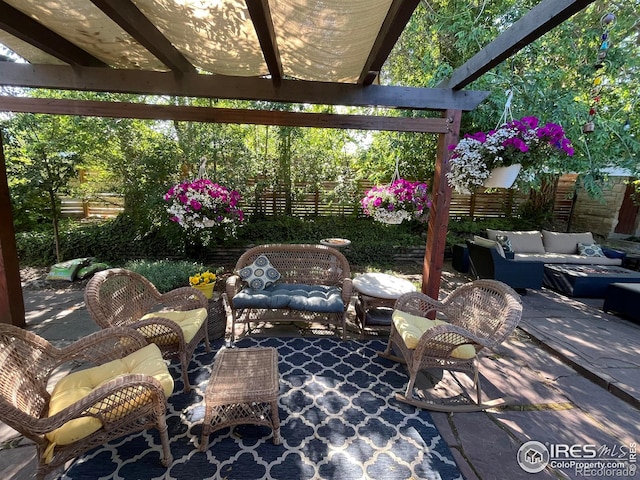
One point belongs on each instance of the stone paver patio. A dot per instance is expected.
(573, 371)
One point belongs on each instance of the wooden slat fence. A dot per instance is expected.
(103, 206)
(501, 203)
(311, 200)
(563, 203)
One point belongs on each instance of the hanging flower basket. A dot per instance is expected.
(203, 204)
(516, 142)
(401, 200)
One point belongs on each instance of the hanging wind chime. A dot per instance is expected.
(607, 21)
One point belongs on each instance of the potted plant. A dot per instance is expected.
(205, 282)
(522, 144)
(401, 200)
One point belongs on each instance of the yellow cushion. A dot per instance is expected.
(189, 321)
(77, 385)
(411, 327)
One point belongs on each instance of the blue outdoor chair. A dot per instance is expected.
(487, 263)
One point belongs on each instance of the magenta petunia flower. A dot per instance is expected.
(531, 122)
(516, 143)
(479, 136)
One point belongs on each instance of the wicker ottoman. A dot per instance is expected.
(624, 299)
(243, 389)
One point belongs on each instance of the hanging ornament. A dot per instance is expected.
(607, 22)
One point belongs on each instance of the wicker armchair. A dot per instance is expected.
(478, 315)
(119, 297)
(125, 404)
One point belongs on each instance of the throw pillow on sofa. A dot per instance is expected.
(590, 250)
(558, 242)
(504, 241)
(260, 273)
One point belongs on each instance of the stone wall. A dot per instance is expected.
(599, 215)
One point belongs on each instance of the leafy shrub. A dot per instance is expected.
(35, 248)
(167, 274)
(120, 240)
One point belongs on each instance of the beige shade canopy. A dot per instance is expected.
(297, 51)
(84, 25)
(327, 40)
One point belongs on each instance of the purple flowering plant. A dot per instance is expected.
(201, 204)
(399, 201)
(522, 141)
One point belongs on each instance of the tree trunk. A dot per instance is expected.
(54, 219)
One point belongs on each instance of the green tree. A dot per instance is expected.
(43, 157)
(552, 78)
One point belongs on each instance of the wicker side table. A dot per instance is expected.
(217, 317)
(243, 389)
(377, 294)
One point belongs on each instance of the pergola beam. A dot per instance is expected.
(538, 21)
(397, 18)
(133, 21)
(262, 22)
(241, 88)
(28, 30)
(220, 115)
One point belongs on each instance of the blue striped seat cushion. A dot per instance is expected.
(308, 298)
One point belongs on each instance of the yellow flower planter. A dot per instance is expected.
(207, 289)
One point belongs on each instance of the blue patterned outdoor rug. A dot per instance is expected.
(339, 420)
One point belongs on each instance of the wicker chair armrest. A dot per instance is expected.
(161, 326)
(347, 291)
(18, 419)
(417, 303)
(232, 287)
(103, 346)
(441, 340)
(111, 401)
(184, 298)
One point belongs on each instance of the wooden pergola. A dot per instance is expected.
(64, 47)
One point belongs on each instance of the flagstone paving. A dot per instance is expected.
(572, 370)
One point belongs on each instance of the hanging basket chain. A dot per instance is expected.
(506, 113)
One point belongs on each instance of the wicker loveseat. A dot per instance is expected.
(313, 284)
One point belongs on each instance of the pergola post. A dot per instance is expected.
(11, 301)
(439, 212)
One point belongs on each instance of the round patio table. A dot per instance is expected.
(377, 294)
(335, 242)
